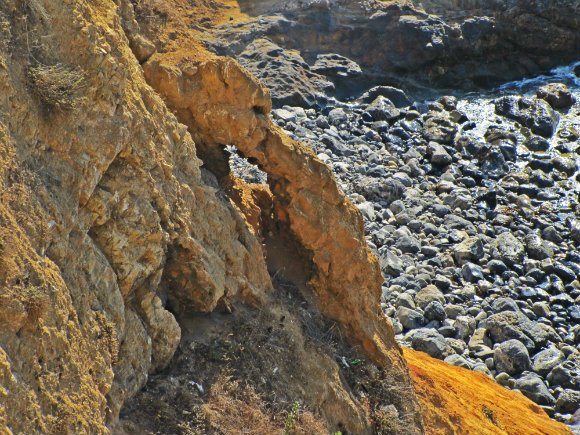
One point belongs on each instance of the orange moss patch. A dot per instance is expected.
(459, 401)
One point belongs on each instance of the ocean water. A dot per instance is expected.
(479, 107)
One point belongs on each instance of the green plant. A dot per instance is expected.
(57, 86)
(292, 418)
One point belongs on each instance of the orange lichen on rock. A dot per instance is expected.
(459, 401)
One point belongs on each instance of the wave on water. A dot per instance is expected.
(562, 74)
(480, 108)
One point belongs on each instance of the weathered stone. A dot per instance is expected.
(427, 295)
(537, 248)
(440, 128)
(405, 300)
(382, 109)
(471, 272)
(532, 386)
(508, 249)
(397, 96)
(469, 250)
(568, 402)
(438, 155)
(430, 342)
(464, 326)
(479, 340)
(435, 311)
(567, 373)
(289, 77)
(535, 114)
(511, 357)
(410, 319)
(515, 325)
(557, 95)
(333, 65)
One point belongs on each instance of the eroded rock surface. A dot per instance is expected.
(131, 256)
(105, 219)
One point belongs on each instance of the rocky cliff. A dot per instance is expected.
(410, 44)
(144, 288)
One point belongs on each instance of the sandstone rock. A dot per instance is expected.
(222, 104)
(123, 223)
(453, 397)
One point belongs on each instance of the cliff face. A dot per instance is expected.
(410, 44)
(108, 219)
(131, 256)
(104, 219)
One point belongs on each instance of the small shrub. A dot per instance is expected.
(292, 418)
(57, 86)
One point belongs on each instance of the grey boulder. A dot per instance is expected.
(532, 386)
(511, 357)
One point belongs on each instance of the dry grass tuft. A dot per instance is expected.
(57, 86)
(236, 410)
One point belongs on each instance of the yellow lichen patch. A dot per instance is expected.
(459, 401)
